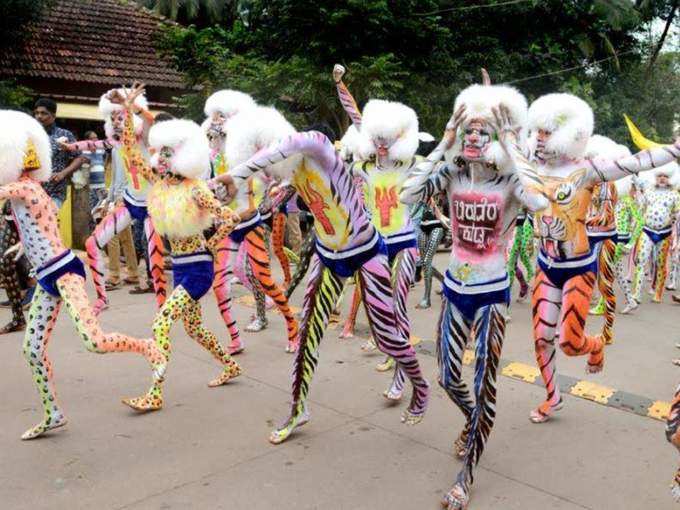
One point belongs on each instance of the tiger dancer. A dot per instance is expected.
(561, 126)
(25, 163)
(388, 141)
(661, 204)
(133, 206)
(219, 108)
(347, 243)
(601, 229)
(182, 207)
(485, 195)
(249, 253)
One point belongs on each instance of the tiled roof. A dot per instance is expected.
(97, 41)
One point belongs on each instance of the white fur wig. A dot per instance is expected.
(624, 185)
(479, 100)
(349, 143)
(16, 131)
(253, 130)
(392, 121)
(670, 170)
(568, 118)
(228, 103)
(106, 108)
(605, 148)
(192, 153)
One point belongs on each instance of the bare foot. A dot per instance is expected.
(279, 435)
(545, 411)
(231, 371)
(457, 498)
(43, 427)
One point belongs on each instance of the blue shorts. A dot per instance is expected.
(622, 238)
(345, 263)
(559, 271)
(244, 228)
(470, 298)
(194, 272)
(136, 209)
(596, 238)
(50, 272)
(656, 236)
(399, 242)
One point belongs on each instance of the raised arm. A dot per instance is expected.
(226, 218)
(346, 98)
(132, 150)
(312, 144)
(136, 160)
(424, 181)
(613, 169)
(529, 185)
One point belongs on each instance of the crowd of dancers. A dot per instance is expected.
(525, 192)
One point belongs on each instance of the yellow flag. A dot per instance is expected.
(639, 139)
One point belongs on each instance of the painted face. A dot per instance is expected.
(542, 137)
(662, 181)
(216, 135)
(117, 121)
(382, 148)
(164, 161)
(476, 140)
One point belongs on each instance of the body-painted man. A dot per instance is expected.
(219, 108)
(661, 204)
(601, 229)
(9, 270)
(133, 206)
(25, 163)
(388, 143)
(431, 234)
(347, 243)
(629, 223)
(485, 196)
(522, 250)
(249, 254)
(561, 126)
(182, 208)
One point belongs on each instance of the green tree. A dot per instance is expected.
(423, 52)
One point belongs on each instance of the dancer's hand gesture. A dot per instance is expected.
(138, 88)
(452, 126)
(502, 124)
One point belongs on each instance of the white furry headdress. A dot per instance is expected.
(192, 154)
(623, 185)
(605, 148)
(392, 121)
(349, 143)
(228, 103)
(253, 130)
(479, 100)
(106, 108)
(568, 118)
(19, 133)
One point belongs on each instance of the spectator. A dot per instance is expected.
(64, 163)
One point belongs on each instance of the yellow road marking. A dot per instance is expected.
(659, 410)
(522, 372)
(592, 391)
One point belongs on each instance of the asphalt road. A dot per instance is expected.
(208, 448)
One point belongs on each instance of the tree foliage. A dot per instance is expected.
(423, 52)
